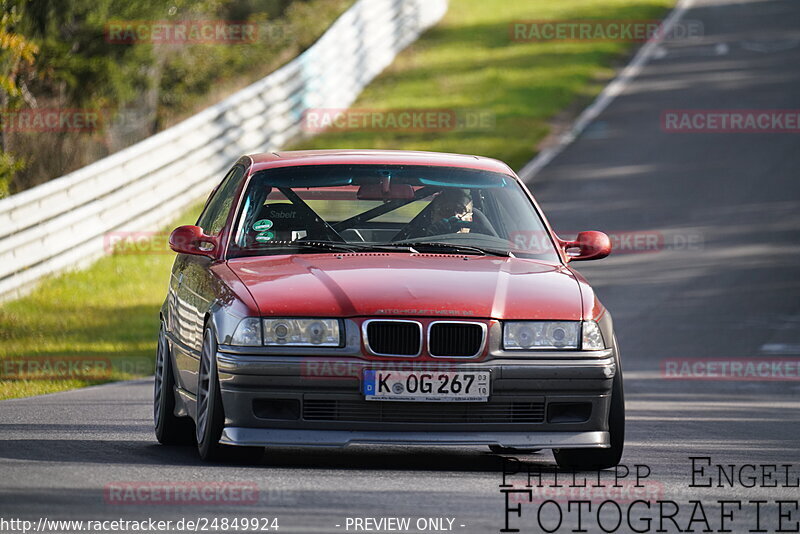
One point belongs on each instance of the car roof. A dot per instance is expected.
(269, 160)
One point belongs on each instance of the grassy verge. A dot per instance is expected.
(467, 64)
(104, 318)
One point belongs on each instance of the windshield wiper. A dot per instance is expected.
(345, 247)
(388, 247)
(326, 245)
(374, 247)
(459, 249)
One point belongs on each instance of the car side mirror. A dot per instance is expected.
(587, 246)
(190, 239)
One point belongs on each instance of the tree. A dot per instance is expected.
(17, 55)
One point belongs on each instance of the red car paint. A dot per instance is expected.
(359, 285)
(265, 390)
(351, 285)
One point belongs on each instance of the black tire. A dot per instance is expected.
(169, 428)
(499, 449)
(210, 418)
(594, 459)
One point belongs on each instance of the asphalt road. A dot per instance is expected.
(721, 282)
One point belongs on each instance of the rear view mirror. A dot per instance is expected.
(385, 191)
(587, 246)
(190, 239)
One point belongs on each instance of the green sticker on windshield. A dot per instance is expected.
(263, 237)
(262, 225)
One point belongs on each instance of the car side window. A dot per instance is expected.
(216, 212)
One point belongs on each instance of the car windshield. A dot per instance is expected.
(343, 208)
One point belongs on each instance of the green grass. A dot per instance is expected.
(468, 62)
(106, 312)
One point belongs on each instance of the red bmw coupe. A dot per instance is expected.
(327, 298)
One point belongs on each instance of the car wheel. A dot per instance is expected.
(169, 428)
(594, 459)
(210, 412)
(499, 449)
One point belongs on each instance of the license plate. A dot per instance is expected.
(426, 386)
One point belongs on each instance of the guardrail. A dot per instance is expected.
(60, 224)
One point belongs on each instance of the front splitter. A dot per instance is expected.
(341, 438)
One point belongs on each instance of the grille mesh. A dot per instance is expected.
(424, 412)
(394, 338)
(455, 339)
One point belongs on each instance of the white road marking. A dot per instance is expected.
(609, 93)
(770, 46)
(780, 348)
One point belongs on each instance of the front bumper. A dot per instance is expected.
(546, 402)
(342, 438)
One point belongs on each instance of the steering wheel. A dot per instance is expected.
(479, 225)
(450, 225)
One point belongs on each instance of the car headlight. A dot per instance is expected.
(534, 335)
(592, 338)
(302, 332)
(247, 333)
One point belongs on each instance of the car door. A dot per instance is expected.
(196, 287)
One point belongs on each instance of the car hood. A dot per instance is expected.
(374, 284)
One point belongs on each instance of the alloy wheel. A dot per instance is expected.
(204, 388)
